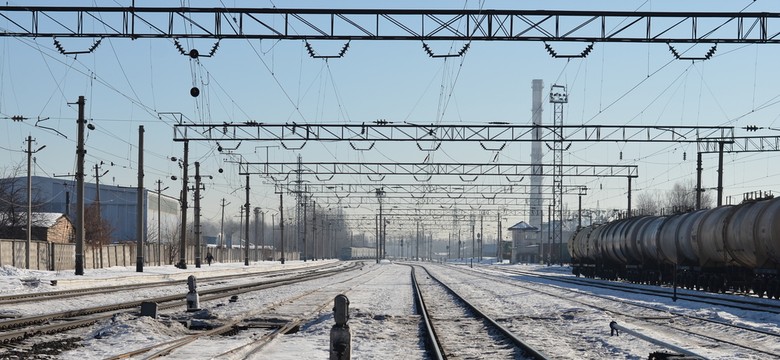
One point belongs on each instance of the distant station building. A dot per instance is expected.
(525, 247)
(117, 206)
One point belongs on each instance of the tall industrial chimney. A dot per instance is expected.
(536, 204)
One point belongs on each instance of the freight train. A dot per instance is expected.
(726, 248)
(356, 253)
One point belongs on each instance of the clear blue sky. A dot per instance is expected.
(127, 83)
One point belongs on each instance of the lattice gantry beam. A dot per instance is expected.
(398, 24)
(293, 134)
(424, 170)
(442, 202)
(740, 144)
(454, 190)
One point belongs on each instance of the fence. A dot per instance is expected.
(56, 257)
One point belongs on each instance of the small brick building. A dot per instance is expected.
(52, 227)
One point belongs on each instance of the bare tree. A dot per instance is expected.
(13, 203)
(97, 230)
(647, 203)
(682, 197)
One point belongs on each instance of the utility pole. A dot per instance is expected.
(159, 222)
(314, 228)
(222, 225)
(257, 230)
(97, 203)
(481, 234)
(449, 244)
(498, 239)
(376, 232)
(273, 237)
(281, 222)
(197, 214)
(139, 212)
(240, 226)
(183, 243)
(549, 233)
(473, 239)
(262, 235)
(460, 255)
(246, 248)
(417, 245)
(305, 250)
(80, 189)
(29, 199)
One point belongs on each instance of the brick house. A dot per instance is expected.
(53, 227)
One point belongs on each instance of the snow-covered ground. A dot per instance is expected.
(382, 316)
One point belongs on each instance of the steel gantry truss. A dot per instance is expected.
(455, 190)
(424, 171)
(439, 200)
(137, 22)
(741, 144)
(293, 134)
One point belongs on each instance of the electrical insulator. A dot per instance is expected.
(621, 155)
(685, 156)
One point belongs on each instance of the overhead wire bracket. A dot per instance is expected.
(457, 54)
(492, 149)
(555, 54)
(194, 53)
(291, 147)
(706, 56)
(62, 50)
(313, 54)
(438, 145)
(361, 149)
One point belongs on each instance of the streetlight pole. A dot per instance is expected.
(29, 199)
(257, 230)
(246, 213)
(159, 222)
(281, 222)
(273, 237)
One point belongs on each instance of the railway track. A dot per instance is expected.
(17, 330)
(708, 332)
(456, 329)
(737, 301)
(314, 301)
(37, 297)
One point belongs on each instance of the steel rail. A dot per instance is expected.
(164, 301)
(431, 339)
(527, 349)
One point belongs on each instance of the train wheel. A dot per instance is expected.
(759, 286)
(773, 289)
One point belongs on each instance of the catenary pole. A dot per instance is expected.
(139, 212)
(80, 189)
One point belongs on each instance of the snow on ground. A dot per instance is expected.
(382, 318)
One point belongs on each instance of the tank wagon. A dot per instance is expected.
(356, 253)
(732, 247)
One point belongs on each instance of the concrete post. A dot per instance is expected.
(340, 336)
(193, 300)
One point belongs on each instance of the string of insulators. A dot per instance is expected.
(555, 54)
(62, 50)
(194, 52)
(706, 56)
(457, 54)
(313, 54)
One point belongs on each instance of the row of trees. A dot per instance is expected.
(681, 198)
